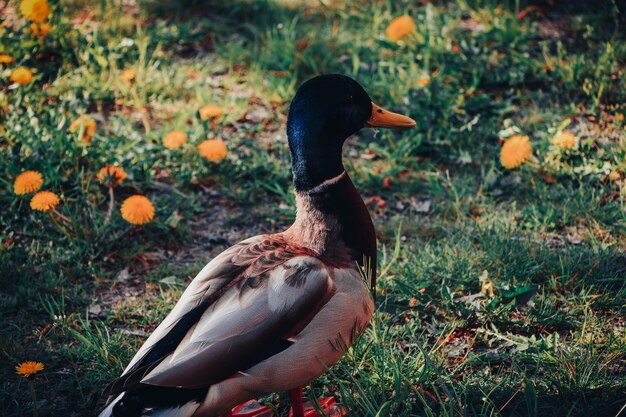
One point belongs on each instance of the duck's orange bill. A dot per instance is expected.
(384, 118)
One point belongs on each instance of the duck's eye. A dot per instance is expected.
(348, 99)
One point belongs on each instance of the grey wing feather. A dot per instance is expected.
(231, 333)
(213, 277)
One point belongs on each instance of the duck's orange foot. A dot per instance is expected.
(328, 404)
(251, 408)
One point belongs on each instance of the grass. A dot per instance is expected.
(548, 237)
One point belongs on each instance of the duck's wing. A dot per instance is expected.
(242, 308)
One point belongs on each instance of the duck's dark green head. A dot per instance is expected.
(325, 111)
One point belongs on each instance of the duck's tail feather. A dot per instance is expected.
(185, 410)
(133, 404)
(108, 411)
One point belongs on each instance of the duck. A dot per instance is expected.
(275, 311)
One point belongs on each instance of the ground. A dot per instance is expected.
(500, 289)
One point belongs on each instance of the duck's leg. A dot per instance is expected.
(297, 407)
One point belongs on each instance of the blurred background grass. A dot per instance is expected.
(502, 291)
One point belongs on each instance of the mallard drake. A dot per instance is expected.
(273, 312)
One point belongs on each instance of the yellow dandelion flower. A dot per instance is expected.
(111, 175)
(210, 111)
(276, 99)
(400, 27)
(44, 201)
(137, 209)
(27, 369)
(128, 75)
(213, 150)
(423, 81)
(35, 10)
(6, 59)
(614, 176)
(27, 182)
(565, 139)
(88, 126)
(515, 151)
(21, 75)
(41, 30)
(175, 139)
